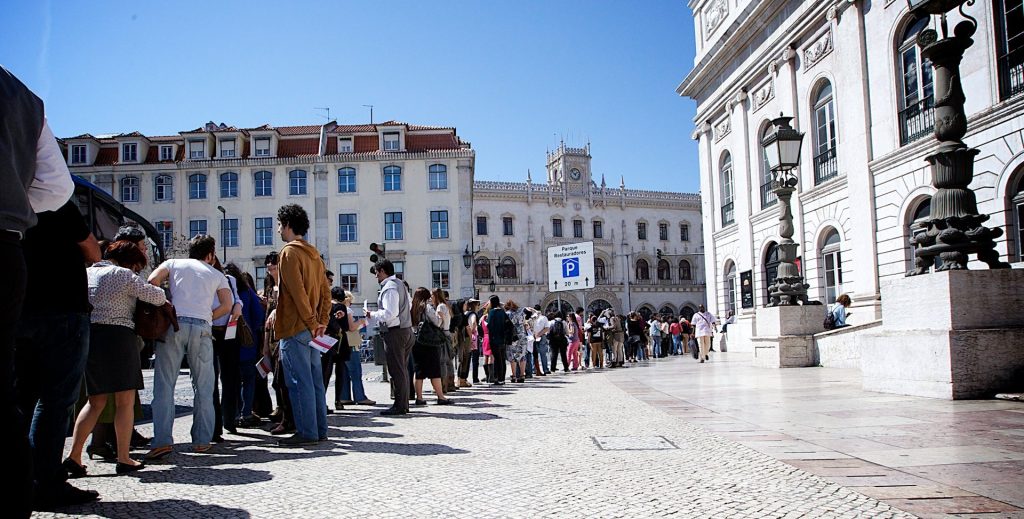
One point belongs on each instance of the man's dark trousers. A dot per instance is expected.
(17, 492)
(500, 362)
(397, 348)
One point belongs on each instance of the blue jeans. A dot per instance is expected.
(304, 377)
(352, 378)
(656, 346)
(640, 351)
(677, 345)
(195, 339)
(51, 351)
(249, 376)
(544, 353)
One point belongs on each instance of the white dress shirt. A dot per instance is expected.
(52, 185)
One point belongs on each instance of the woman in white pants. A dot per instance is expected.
(704, 327)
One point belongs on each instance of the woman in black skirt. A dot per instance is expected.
(427, 358)
(113, 365)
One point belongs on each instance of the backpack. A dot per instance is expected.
(830, 320)
(458, 317)
(557, 330)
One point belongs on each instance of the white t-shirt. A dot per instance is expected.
(538, 327)
(194, 285)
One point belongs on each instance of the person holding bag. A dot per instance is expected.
(426, 351)
(350, 379)
(250, 330)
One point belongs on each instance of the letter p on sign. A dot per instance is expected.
(570, 267)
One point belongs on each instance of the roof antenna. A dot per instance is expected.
(327, 108)
(371, 112)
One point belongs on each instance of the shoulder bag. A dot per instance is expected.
(152, 321)
(429, 334)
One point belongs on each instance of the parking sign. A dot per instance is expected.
(571, 267)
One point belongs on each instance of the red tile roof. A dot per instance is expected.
(262, 128)
(365, 143)
(415, 142)
(353, 128)
(299, 130)
(132, 134)
(297, 147)
(106, 157)
(82, 136)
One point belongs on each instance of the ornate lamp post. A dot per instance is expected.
(954, 229)
(223, 233)
(782, 148)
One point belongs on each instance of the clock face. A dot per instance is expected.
(574, 174)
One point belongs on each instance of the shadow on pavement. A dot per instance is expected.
(341, 434)
(462, 416)
(160, 507)
(405, 449)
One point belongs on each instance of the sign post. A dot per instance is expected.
(570, 267)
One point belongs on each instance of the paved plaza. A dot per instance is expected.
(667, 438)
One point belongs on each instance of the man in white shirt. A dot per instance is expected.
(541, 346)
(704, 325)
(193, 284)
(394, 306)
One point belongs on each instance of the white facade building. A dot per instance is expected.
(850, 72)
(406, 186)
(514, 223)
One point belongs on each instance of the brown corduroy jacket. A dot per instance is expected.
(304, 300)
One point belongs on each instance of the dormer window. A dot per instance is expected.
(263, 147)
(196, 149)
(129, 152)
(166, 153)
(391, 141)
(345, 144)
(227, 149)
(78, 154)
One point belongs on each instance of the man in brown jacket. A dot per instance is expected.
(303, 309)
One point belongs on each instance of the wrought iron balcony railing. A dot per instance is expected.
(917, 121)
(825, 166)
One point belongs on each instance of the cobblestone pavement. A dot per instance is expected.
(568, 445)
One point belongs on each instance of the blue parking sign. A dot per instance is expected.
(571, 267)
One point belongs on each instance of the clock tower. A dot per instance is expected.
(570, 168)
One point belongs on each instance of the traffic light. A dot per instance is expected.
(659, 253)
(377, 250)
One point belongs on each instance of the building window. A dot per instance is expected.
(348, 227)
(166, 153)
(481, 226)
(507, 269)
(129, 152)
(196, 149)
(663, 231)
(297, 183)
(832, 263)
(393, 226)
(345, 145)
(399, 269)
(438, 225)
(263, 147)
(164, 188)
(556, 227)
(825, 166)
(916, 91)
(641, 230)
(438, 176)
(229, 185)
(768, 196)
(684, 271)
(771, 269)
(197, 186)
(227, 149)
(439, 274)
(391, 141)
(598, 231)
(577, 228)
(349, 273)
(643, 270)
(261, 278)
(229, 232)
(166, 231)
(730, 288)
(130, 189)
(347, 180)
(599, 271)
(392, 178)
(78, 154)
(664, 270)
(684, 232)
(506, 226)
(264, 231)
(1017, 204)
(264, 182)
(1009, 16)
(196, 227)
(482, 270)
(726, 175)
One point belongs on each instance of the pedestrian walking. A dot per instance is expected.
(704, 323)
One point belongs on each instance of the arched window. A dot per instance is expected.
(297, 182)
(1015, 199)
(130, 189)
(667, 311)
(164, 188)
(664, 270)
(507, 268)
(597, 306)
(730, 287)
(600, 275)
(482, 270)
(684, 270)
(726, 175)
(1009, 34)
(264, 182)
(768, 197)
(229, 185)
(824, 135)
(916, 92)
(687, 312)
(437, 176)
(347, 180)
(771, 268)
(392, 178)
(831, 266)
(643, 270)
(197, 186)
(921, 213)
(646, 312)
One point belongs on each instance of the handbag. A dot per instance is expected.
(245, 336)
(152, 321)
(430, 334)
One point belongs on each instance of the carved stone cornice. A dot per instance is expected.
(714, 14)
(763, 94)
(723, 127)
(821, 47)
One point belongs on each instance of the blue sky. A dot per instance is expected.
(513, 76)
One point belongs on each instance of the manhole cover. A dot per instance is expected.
(633, 443)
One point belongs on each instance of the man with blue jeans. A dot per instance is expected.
(193, 284)
(303, 310)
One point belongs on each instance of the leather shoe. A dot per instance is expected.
(124, 468)
(366, 401)
(63, 495)
(281, 429)
(391, 411)
(295, 440)
(74, 469)
(138, 440)
(102, 450)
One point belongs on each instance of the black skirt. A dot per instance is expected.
(113, 363)
(427, 360)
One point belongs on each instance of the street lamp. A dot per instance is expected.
(467, 257)
(223, 232)
(782, 149)
(954, 228)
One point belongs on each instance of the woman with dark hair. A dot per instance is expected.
(516, 350)
(427, 357)
(253, 314)
(226, 364)
(113, 365)
(839, 310)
